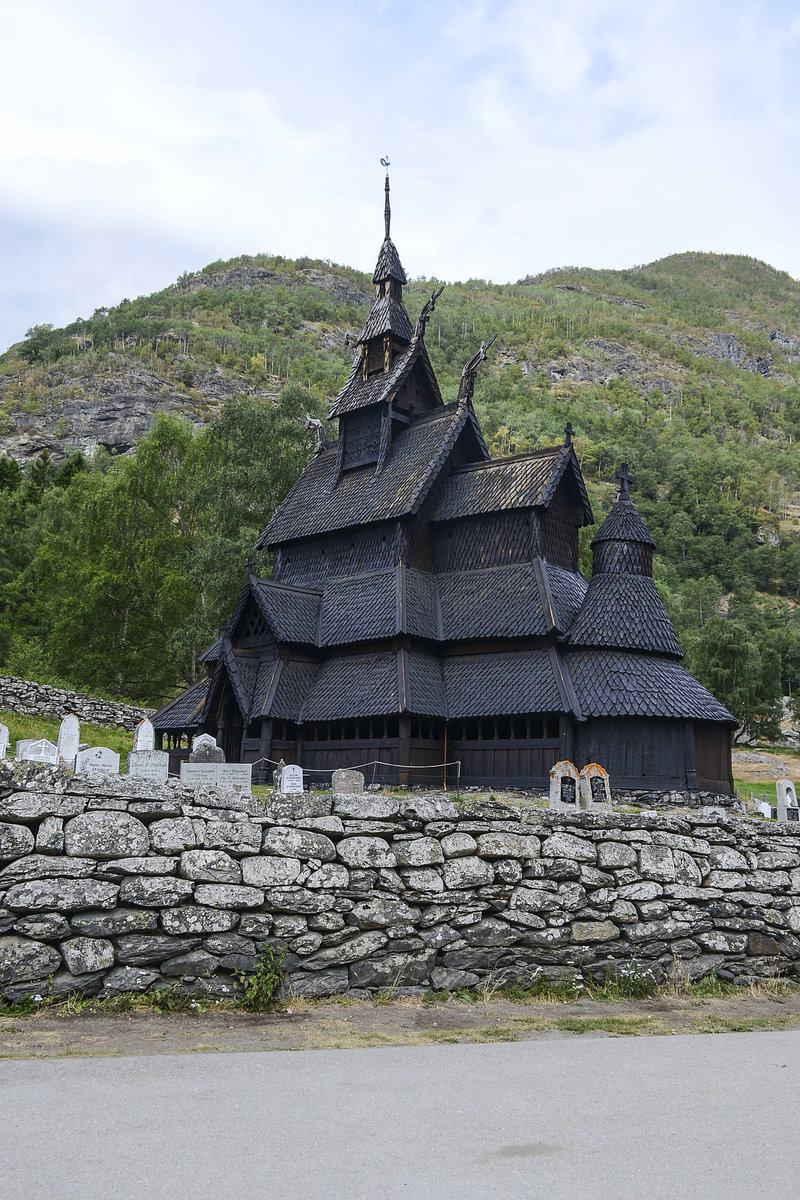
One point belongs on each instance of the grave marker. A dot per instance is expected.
(144, 735)
(347, 783)
(564, 782)
(41, 751)
(206, 750)
(97, 758)
(595, 786)
(69, 739)
(22, 746)
(238, 776)
(4, 737)
(149, 764)
(787, 800)
(291, 780)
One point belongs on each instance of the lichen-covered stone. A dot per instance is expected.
(105, 835)
(45, 866)
(508, 845)
(380, 912)
(23, 959)
(43, 927)
(297, 899)
(420, 852)
(173, 835)
(316, 984)
(142, 865)
(210, 866)
(270, 870)
(467, 872)
(615, 854)
(61, 895)
(198, 920)
(50, 836)
(145, 948)
(15, 840)
(128, 979)
(458, 845)
(329, 875)
(115, 922)
(656, 862)
(422, 879)
(366, 852)
(361, 946)
(228, 895)
(594, 931)
(567, 845)
(195, 964)
(366, 807)
(160, 892)
(298, 843)
(237, 837)
(393, 970)
(83, 955)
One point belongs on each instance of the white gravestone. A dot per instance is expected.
(595, 786)
(238, 776)
(765, 809)
(3, 740)
(97, 758)
(69, 739)
(564, 785)
(199, 774)
(149, 764)
(291, 780)
(41, 751)
(144, 736)
(22, 746)
(346, 782)
(787, 800)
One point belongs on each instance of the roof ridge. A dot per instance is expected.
(288, 587)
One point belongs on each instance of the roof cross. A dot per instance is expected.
(568, 432)
(625, 480)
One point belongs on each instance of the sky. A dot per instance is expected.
(147, 138)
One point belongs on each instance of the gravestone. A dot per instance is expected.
(206, 750)
(766, 810)
(787, 800)
(291, 780)
(40, 751)
(564, 784)
(199, 774)
(3, 740)
(144, 735)
(595, 786)
(69, 739)
(238, 776)
(97, 758)
(149, 764)
(347, 783)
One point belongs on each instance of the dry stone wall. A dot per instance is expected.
(111, 885)
(41, 700)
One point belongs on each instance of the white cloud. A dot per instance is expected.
(524, 134)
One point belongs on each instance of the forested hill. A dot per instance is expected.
(688, 368)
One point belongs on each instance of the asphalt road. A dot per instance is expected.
(563, 1117)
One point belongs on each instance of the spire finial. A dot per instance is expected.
(625, 481)
(568, 432)
(387, 212)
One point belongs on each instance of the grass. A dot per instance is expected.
(762, 790)
(20, 726)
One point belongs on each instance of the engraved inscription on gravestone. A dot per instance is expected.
(347, 783)
(149, 764)
(238, 776)
(568, 792)
(69, 739)
(199, 774)
(97, 758)
(144, 735)
(291, 779)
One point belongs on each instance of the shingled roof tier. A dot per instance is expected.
(387, 315)
(184, 711)
(318, 503)
(625, 612)
(388, 265)
(525, 481)
(623, 524)
(359, 392)
(619, 684)
(482, 685)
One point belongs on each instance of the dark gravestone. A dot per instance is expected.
(206, 750)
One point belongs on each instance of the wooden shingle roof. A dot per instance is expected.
(318, 503)
(382, 388)
(625, 612)
(618, 684)
(524, 481)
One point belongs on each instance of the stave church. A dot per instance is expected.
(426, 619)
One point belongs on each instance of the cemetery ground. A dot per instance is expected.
(181, 1024)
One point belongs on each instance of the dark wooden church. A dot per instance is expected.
(426, 606)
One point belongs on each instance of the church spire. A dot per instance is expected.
(387, 209)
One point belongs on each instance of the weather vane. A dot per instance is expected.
(385, 163)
